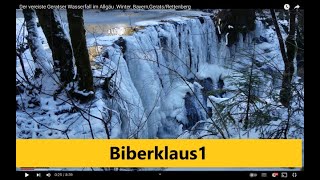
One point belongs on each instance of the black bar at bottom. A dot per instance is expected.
(161, 174)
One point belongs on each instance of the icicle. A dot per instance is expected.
(219, 22)
(227, 39)
(219, 29)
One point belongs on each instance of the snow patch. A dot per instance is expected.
(212, 71)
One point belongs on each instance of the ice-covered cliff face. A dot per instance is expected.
(162, 73)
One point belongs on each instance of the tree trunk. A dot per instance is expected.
(285, 93)
(79, 45)
(280, 39)
(38, 54)
(59, 44)
(249, 100)
(300, 44)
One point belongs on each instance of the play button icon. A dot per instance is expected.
(26, 174)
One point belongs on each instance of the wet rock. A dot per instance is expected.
(191, 111)
(122, 44)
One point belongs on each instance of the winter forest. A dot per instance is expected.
(209, 73)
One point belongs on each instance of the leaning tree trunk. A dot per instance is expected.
(41, 60)
(300, 44)
(285, 93)
(79, 45)
(280, 39)
(59, 44)
(287, 56)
